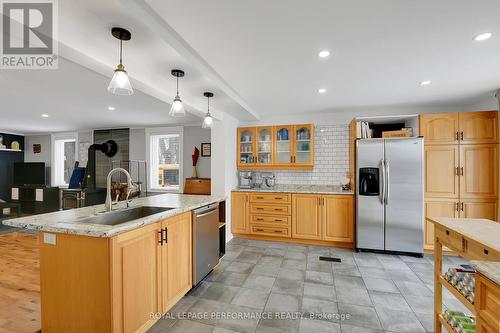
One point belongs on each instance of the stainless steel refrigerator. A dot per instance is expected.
(390, 195)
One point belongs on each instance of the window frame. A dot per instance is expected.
(154, 131)
(66, 136)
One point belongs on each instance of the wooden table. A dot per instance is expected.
(473, 239)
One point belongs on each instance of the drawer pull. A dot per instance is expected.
(260, 219)
(260, 197)
(278, 198)
(447, 232)
(278, 209)
(278, 231)
(485, 251)
(278, 220)
(260, 208)
(259, 229)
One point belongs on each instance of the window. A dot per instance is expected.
(64, 155)
(165, 158)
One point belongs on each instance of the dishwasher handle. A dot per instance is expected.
(204, 211)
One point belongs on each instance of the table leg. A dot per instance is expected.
(438, 289)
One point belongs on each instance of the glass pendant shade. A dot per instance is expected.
(177, 109)
(208, 121)
(120, 83)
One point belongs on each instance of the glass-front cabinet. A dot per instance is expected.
(276, 147)
(283, 137)
(303, 137)
(246, 146)
(265, 145)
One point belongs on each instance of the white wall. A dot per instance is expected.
(195, 136)
(224, 177)
(45, 154)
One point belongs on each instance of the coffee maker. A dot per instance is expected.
(245, 179)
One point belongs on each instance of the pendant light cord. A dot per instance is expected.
(121, 47)
(177, 85)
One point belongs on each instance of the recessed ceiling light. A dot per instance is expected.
(322, 90)
(324, 54)
(44, 115)
(485, 36)
(425, 83)
(111, 108)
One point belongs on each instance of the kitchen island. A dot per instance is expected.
(114, 278)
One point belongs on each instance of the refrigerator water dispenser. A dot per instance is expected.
(369, 181)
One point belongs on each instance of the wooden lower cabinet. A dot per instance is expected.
(240, 213)
(306, 216)
(487, 304)
(337, 218)
(117, 284)
(437, 208)
(479, 209)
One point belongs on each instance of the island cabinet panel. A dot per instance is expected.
(176, 259)
(439, 128)
(240, 213)
(338, 218)
(75, 298)
(136, 269)
(306, 216)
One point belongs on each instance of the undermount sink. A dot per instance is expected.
(122, 216)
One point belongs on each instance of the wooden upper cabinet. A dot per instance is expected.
(338, 218)
(246, 146)
(437, 208)
(441, 171)
(283, 143)
(479, 171)
(306, 216)
(264, 145)
(479, 209)
(478, 127)
(439, 128)
(303, 152)
(240, 213)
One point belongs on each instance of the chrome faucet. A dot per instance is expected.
(109, 203)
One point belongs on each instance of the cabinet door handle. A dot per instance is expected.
(462, 136)
(456, 136)
(462, 206)
(457, 171)
(461, 171)
(458, 206)
(160, 233)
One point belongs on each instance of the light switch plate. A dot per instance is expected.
(49, 238)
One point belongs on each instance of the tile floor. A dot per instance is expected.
(293, 291)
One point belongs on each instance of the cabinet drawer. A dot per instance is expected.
(282, 221)
(450, 238)
(479, 252)
(271, 198)
(487, 301)
(270, 209)
(265, 230)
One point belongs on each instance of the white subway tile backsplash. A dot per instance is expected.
(331, 161)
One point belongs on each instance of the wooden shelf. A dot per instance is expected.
(457, 294)
(446, 324)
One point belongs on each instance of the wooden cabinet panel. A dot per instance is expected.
(268, 230)
(479, 171)
(451, 238)
(478, 127)
(135, 278)
(176, 257)
(306, 219)
(479, 209)
(441, 171)
(303, 145)
(437, 208)
(483, 327)
(246, 147)
(439, 128)
(239, 212)
(487, 301)
(338, 218)
(256, 208)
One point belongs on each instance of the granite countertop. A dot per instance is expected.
(63, 221)
(490, 269)
(313, 189)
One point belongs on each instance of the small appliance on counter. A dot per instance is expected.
(268, 180)
(245, 179)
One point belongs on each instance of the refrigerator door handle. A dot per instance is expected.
(382, 183)
(388, 181)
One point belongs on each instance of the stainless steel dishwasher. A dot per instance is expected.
(205, 241)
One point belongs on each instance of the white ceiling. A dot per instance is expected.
(380, 50)
(259, 58)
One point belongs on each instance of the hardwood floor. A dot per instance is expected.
(19, 283)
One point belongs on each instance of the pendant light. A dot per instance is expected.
(120, 83)
(177, 109)
(208, 120)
